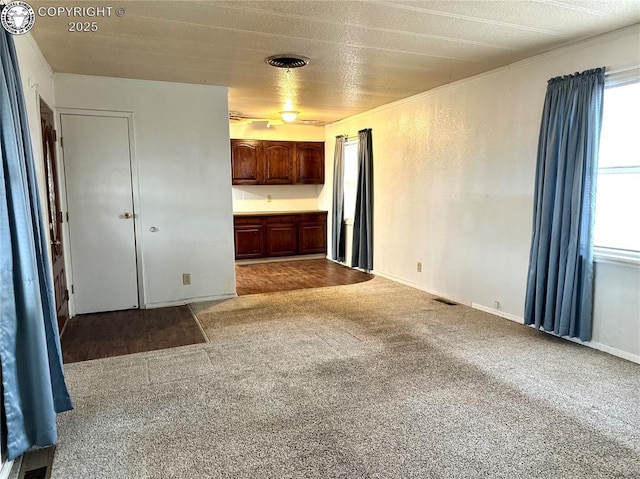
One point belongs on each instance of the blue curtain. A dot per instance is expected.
(559, 293)
(362, 253)
(338, 233)
(33, 383)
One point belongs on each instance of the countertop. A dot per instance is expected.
(273, 213)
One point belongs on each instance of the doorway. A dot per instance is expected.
(54, 214)
(102, 219)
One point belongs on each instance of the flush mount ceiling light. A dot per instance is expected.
(287, 60)
(289, 115)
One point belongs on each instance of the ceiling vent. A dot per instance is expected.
(287, 60)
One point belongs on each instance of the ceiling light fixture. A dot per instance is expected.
(289, 115)
(288, 61)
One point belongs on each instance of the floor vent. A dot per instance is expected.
(445, 301)
(40, 473)
(36, 464)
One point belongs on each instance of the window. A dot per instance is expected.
(617, 222)
(350, 179)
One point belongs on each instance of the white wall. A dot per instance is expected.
(286, 132)
(181, 137)
(454, 174)
(283, 197)
(616, 307)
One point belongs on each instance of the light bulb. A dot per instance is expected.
(289, 115)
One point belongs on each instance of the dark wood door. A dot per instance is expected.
(278, 162)
(313, 233)
(282, 235)
(246, 162)
(54, 214)
(249, 236)
(310, 163)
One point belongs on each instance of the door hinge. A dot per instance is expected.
(66, 295)
(73, 290)
(67, 216)
(62, 142)
(55, 135)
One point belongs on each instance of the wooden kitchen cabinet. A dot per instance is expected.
(247, 161)
(280, 234)
(249, 237)
(278, 162)
(313, 234)
(261, 162)
(309, 163)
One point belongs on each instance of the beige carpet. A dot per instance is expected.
(372, 380)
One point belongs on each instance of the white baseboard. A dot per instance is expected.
(184, 301)
(421, 288)
(634, 358)
(497, 312)
(5, 469)
(590, 344)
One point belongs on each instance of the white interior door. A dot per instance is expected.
(97, 162)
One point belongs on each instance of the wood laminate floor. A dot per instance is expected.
(289, 275)
(102, 335)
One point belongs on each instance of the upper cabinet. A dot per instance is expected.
(278, 162)
(246, 162)
(261, 162)
(310, 163)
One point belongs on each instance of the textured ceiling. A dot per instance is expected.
(363, 54)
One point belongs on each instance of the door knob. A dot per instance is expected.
(127, 215)
(55, 243)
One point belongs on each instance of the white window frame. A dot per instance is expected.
(350, 144)
(604, 254)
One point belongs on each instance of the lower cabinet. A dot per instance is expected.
(273, 235)
(313, 234)
(282, 235)
(249, 238)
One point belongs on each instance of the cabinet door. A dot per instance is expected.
(246, 162)
(249, 240)
(282, 236)
(278, 162)
(309, 163)
(313, 234)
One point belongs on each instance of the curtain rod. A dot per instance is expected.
(622, 70)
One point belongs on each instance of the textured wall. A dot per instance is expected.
(454, 177)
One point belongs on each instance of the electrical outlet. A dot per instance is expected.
(419, 267)
(186, 279)
(268, 198)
